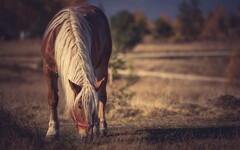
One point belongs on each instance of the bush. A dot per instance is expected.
(190, 19)
(125, 31)
(28, 16)
(163, 28)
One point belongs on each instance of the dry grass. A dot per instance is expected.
(194, 46)
(213, 67)
(142, 113)
(232, 70)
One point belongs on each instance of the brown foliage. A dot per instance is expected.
(216, 25)
(191, 20)
(163, 27)
(29, 16)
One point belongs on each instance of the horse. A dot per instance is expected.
(76, 49)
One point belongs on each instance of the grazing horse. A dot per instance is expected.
(76, 48)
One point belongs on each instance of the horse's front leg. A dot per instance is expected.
(102, 118)
(101, 109)
(53, 129)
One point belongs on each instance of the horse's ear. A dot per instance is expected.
(99, 83)
(76, 88)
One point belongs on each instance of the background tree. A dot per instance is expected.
(177, 35)
(234, 25)
(29, 16)
(163, 28)
(216, 26)
(141, 23)
(209, 27)
(190, 19)
(125, 32)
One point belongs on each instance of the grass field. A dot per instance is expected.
(142, 112)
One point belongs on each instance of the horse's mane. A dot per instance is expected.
(72, 54)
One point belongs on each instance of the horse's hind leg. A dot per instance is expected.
(102, 95)
(53, 129)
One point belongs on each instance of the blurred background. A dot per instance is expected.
(146, 23)
(175, 64)
(182, 20)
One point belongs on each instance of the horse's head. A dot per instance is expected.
(85, 108)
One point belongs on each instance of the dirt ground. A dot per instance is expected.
(142, 112)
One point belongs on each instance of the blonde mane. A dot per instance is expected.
(72, 54)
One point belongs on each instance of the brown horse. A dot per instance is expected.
(76, 48)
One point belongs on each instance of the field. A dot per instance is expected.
(143, 112)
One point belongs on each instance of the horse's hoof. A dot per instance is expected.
(103, 129)
(52, 135)
(103, 132)
(96, 131)
(51, 138)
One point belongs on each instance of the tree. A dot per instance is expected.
(209, 27)
(125, 32)
(29, 16)
(234, 25)
(216, 25)
(190, 19)
(163, 28)
(141, 23)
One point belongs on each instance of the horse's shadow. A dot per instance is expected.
(181, 134)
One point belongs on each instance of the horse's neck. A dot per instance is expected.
(73, 50)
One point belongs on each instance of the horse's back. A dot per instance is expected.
(101, 43)
(101, 35)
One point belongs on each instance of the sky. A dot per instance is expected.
(154, 8)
